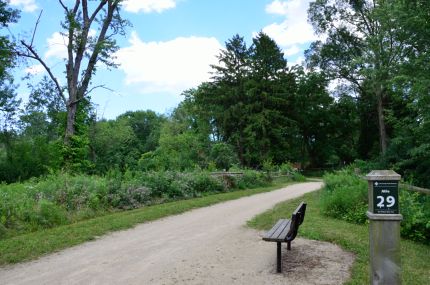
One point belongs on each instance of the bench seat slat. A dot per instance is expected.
(279, 232)
(273, 229)
(279, 229)
(284, 233)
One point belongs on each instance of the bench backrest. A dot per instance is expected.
(296, 220)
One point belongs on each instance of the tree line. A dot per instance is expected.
(363, 93)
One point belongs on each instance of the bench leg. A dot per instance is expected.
(278, 259)
(289, 245)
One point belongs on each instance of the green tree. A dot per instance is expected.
(226, 96)
(182, 145)
(267, 98)
(120, 143)
(146, 126)
(7, 16)
(410, 147)
(360, 48)
(311, 113)
(247, 98)
(8, 102)
(113, 146)
(223, 156)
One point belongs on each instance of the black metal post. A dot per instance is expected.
(279, 261)
(289, 245)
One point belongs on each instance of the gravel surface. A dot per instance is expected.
(204, 246)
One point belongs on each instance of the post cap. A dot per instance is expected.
(383, 175)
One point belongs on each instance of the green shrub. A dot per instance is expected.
(286, 168)
(298, 177)
(223, 156)
(46, 215)
(251, 179)
(3, 231)
(132, 197)
(345, 197)
(205, 183)
(62, 198)
(415, 208)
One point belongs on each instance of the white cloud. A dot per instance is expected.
(292, 50)
(26, 5)
(277, 7)
(35, 69)
(57, 46)
(290, 33)
(294, 29)
(171, 66)
(148, 6)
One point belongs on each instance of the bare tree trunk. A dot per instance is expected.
(381, 121)
(239, 143)
(70, 124)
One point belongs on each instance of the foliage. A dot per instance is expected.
(415, 209)
(62, 198)
(265, 110)
(256, 108)
(223, 156)
(345, 197)
(7, 16)
(359, 48)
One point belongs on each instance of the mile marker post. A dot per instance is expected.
(384, 227)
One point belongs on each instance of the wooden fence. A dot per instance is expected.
(415, 188)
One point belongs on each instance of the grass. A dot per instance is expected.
(351, 237)
(32, 245)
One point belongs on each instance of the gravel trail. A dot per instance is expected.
(204, 246)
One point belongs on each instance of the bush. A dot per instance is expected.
(205, 183)
(345, 197)
(251, 179)
(46, 215)
(298, 177)
(286, 168)
(223, 156)
(415, 208)
(63, 198)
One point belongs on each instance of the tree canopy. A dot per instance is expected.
(364, 94)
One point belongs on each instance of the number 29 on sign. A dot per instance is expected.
(387, 202)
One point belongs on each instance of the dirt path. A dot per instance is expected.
(204, 246)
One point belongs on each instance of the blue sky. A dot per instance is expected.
(168, 49)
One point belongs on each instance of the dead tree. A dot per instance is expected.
(84, 50)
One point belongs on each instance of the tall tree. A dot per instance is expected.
(360, 47)
(227, 95)
(84, 51)
(410, 150)
(310, 111)
(8, 101)
(7, 16)
(266, 89)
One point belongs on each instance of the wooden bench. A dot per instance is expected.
(285, 231)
